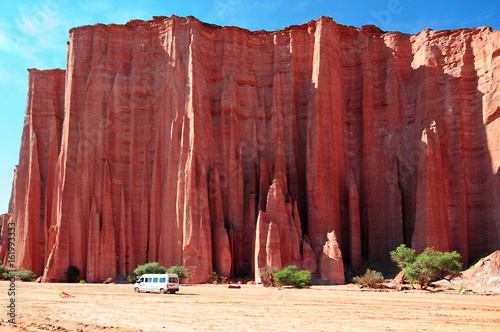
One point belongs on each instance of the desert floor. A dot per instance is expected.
(98, 307)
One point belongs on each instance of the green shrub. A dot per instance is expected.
(284, 277)
(150, 268)
(301, 279)
(131, 278)
(4, 273)
(216, 279)
(179, 270)
(25, 275)
(71, 273)
(83, 281)
(213, 277)
(403, 256)
(267, 274)
(429, 266)
(291, 275)
(371, 279)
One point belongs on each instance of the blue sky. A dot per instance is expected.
(33, 34)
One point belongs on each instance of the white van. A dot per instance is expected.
(157, 283)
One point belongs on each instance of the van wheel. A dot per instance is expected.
(136, 289)
(172, 292)
(162, 291)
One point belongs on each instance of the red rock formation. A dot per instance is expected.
(485, 273)
(332, 265)
(182, 141)
(273, 246)
(432, 219)
(277, 241)
(354, 226)
(260, 253)
(221, 249)
(309, 260)
(34, 187)
(5, 219)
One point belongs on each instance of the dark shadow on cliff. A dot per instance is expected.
(424, 98)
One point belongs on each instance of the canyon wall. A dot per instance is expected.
(226, 150)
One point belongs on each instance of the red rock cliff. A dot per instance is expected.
(34, 181)
(222, 149)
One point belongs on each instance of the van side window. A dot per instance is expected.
(163, 279)
(155, 279)
(148, 279)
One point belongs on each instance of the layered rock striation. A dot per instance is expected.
(222, 149)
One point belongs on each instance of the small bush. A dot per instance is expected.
(71, 273)
(179, 270)
(216, 279)
(291, 275)
(284, 277)
(83, 281)
(267, 274)
(429, 266)
(25, 275)
(4, 273)
(371, 279)
(213, 277)
(131, 278)
(301, 279)
(403, 256)
(150, 268)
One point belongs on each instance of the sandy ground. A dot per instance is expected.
(97, 307)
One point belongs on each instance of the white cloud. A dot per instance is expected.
(13, 43)
(38, 35)
(4, 41)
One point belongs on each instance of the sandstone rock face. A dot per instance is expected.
(354, 226)
(35, 178)
(4, 236)
(431, 216)
(309, 260)
(332, 265)
(181, 142)
(485, 273)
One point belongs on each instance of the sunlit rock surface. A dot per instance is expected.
(225, 150)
